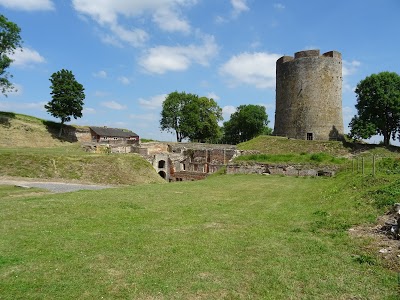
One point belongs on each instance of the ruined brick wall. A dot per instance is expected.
(309, 95)
(187, 176)
(151, 148)
(77, 134)
(280, 169)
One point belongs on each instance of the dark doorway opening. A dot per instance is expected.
(309, 136)
(161, 164)
(162, 174)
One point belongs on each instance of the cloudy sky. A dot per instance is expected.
(129, 54)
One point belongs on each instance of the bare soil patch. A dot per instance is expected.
(382, 243)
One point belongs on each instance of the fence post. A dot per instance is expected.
(357, 165)
(363, 172)
(373, 165)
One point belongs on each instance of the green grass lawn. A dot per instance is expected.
(227, 237)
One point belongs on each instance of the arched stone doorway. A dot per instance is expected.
(161, 164)
(162, 174)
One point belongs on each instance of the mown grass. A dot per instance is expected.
(227, 237)
(12, 192)
(303, 158)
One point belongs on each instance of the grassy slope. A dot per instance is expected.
(228, 237)
(73, 164)
(17, 130)
(29, 148)
(281, 145)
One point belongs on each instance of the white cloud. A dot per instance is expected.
(154, 102)
(348, 114)
(28, 5)
(162, 59)
(168, 20)
(144, 117)
(100, 74)
(257, 69)
(220, 20)
(88, 110)
(239, 6)
(26, 57)
(113, 105)
(279, 6)
(135, 37)
(124, 80)
(101, 94)
(6, 105)
(227, 111)
(214, 96)
(350, 67)
(165, 13)
(17, 91)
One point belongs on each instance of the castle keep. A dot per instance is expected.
(309, 96)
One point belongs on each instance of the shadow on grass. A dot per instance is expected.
(356, 147)
(53, 128)
(5, 118)
(67, 133)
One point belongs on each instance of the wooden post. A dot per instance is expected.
(363, 172)
(373, 165)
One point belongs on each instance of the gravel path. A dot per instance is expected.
(55, 187)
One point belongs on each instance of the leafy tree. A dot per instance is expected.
(68, 96)
(191, 117)
(200, 122)
(171, 114)
(246, 123)
(10, 40)
(378, 106)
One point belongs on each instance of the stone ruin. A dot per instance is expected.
(187, 161)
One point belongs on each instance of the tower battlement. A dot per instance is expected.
(309, 95)
(309, 53)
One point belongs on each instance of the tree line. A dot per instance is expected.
(197, 118)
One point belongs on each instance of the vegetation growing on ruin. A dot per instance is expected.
(302, 158)
(281, 145)
(262, 238)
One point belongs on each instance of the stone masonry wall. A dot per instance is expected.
(279, 169)
(309, 95)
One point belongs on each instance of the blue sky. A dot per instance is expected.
(129, 54)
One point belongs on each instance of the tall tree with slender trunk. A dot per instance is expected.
(67, 97)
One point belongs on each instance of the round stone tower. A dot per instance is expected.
(309, 96)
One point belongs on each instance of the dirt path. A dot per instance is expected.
(55, 187)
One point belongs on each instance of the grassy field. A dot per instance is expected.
(227, 237)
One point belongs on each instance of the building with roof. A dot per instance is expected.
(105, 135)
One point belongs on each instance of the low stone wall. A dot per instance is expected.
(77, 134)
(187, 176)
(279, 169)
